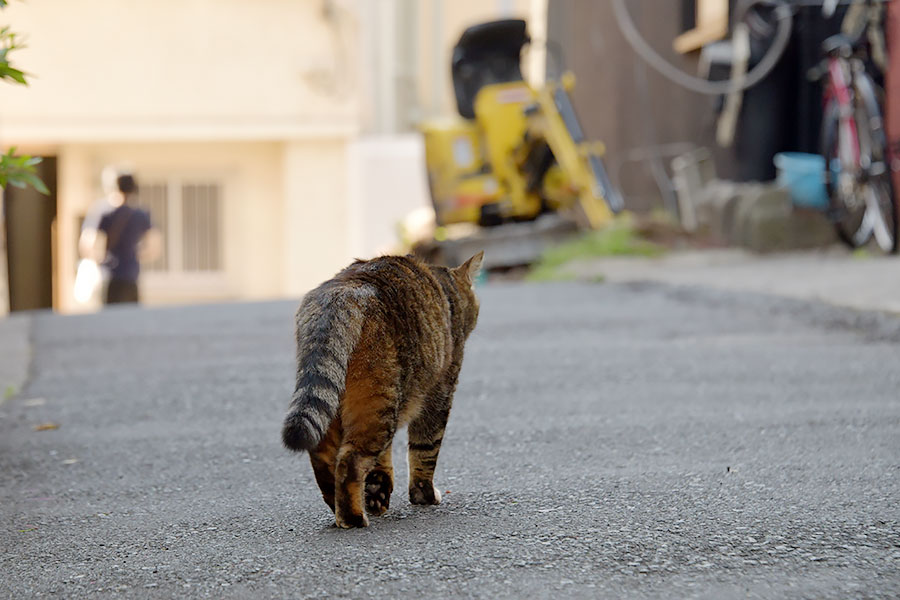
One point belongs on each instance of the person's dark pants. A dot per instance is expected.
(121, 291)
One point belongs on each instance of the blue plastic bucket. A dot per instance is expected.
(804, 176)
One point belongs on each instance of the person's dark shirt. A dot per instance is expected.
(124, 227)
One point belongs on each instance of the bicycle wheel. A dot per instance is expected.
(860, 191)
(877, 187)
(846, 208)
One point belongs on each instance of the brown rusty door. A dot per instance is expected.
(29, 222)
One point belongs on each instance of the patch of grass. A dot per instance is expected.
(9, 392)
(543, 274)
(619, 239)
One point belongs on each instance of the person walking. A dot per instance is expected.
(129, 239)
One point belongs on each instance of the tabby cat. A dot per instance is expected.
(379, 346)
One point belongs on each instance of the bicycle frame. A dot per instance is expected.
(840, 88)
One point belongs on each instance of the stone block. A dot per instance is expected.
(767, 221)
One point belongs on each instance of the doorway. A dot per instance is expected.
(30, 218)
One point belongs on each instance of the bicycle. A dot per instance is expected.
(858, 176)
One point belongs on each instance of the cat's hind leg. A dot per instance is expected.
(324, 458)
(350, 475)
(369, 423)
(380, 484)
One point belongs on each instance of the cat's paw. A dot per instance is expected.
(350, 521)
(378, 492)
(424, 492)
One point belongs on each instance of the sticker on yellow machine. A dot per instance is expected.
(463, 153)
(513, 95)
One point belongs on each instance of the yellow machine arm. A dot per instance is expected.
(580, 160)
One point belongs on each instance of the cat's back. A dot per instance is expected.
(402, 284)
(396, 301)
(408, 306)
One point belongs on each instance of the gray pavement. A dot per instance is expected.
(831, 275)
(15, 353)
(620, 441)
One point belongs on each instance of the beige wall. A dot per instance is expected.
(113, 69)
(259, 95)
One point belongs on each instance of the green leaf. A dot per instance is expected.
(35, 182)
(7, 72)
(8, 43)
(18, 171)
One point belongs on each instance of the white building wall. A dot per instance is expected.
(387, 182)
(316, 213)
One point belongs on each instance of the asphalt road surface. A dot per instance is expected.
(606, 441)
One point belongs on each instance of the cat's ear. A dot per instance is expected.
(470, 269)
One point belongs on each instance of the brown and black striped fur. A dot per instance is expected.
(378, 347)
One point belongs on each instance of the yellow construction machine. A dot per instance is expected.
(515, 153)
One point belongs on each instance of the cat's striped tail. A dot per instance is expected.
(329, 322)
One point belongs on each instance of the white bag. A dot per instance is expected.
(89, 279)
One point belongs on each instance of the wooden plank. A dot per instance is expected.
(712, 25)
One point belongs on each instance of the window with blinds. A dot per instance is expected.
(154, 198)
(189, 216)
(200, 226)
